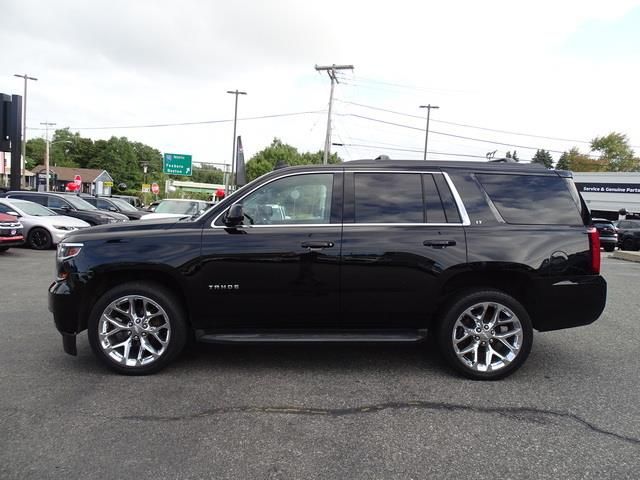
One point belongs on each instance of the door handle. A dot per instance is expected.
(317, 245)
(439, 243)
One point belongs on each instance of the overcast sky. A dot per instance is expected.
(563, 69)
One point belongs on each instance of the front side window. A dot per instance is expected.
(55, 202)
(298, 199)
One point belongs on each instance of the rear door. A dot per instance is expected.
(402, 234)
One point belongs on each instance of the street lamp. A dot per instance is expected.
(24, 119)
(426, 135)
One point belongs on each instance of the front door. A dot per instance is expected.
(280, 268)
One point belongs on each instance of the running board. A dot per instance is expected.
(284, 336)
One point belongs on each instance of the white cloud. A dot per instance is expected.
(498, 64)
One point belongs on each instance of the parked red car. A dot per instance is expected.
(10, 232)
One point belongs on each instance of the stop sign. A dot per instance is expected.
(77, 180)
(155, 189)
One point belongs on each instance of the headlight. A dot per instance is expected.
(68, 250)
(61, 227)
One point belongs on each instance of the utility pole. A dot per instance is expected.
(24, 120)
(231, 180)
(331, 71)
(46, 152)
(426, 135)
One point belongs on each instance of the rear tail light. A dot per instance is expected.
(68, 250)
(594, 249)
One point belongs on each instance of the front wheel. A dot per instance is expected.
(137, 328)
(485, 334)
(609, 248)
(39, 239)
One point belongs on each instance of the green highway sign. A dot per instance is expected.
(177, 164)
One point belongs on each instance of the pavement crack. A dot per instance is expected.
(519, 413)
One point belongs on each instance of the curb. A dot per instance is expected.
(628, 256)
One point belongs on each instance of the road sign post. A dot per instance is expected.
(177, 164)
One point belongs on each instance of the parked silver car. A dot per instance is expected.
(43, 228)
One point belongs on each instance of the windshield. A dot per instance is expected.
(123, 205)
(79, 203)
(180, 207)
(32, 208)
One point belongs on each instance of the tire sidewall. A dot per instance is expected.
(47, 245)
(160, 295)
(459, 304)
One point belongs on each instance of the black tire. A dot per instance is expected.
(4, 249)
(609, 248)
(449, 327)
(39, 239)
(627, 244)
(175, 318)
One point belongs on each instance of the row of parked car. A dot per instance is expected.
(624, 234)
(42, 220)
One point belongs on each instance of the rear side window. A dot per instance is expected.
(41, 199)
(531, 199)
(388, 198)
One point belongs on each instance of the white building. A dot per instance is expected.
(606, 193)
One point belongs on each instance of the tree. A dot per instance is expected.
(281, 154)
(543, 157)
(563, 162)
(579, 162)
(616, 153)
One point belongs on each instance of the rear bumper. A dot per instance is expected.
(609, 240)
(571, 302)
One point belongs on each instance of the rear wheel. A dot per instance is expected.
(485, 334)
(39, 239)
(137, 328)
(627, 244)
(4, 249)
(609, 248)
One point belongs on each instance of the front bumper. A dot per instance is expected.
(12, 241)
(64, 307)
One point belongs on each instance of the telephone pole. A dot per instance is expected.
(24, 121)
(426, 135)
(46, 152)
(331, 71)
(231, 180)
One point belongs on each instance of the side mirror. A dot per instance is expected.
(234, 215)
(15, 214)
(66, 208)
(113, 209)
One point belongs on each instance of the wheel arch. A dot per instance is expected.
(109, 279)
(513, 280)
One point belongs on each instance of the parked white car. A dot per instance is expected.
(43, 228)
(177, 208)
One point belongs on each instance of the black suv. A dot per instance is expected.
(70, 205)
(478, 254)
(628, 234)
(608, 233)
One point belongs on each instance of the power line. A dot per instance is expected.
(203, 122)
(492, 142)
(465, 124)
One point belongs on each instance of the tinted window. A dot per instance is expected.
(297, 199)
(55, 202)
(432, 201)
(41, 199)
(103, 204)
(388, 198)
(448, 203)
(531, 199)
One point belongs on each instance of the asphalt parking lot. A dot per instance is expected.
(300, 412)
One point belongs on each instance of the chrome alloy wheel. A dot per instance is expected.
(487, 337)
(134, 331)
